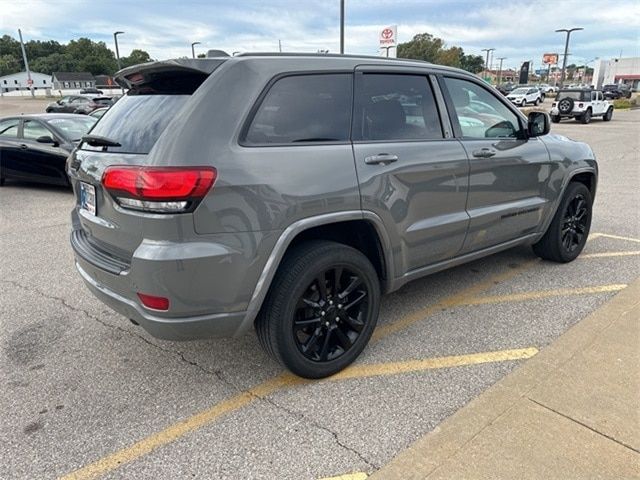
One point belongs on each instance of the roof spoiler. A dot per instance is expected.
(145, 73)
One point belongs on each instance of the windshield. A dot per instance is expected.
(520, 91)
(610, 87)
(72, 128)
(137, 121)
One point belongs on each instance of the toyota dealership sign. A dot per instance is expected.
(388, 41)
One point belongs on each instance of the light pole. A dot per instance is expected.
(566, 49)
(500, 69)
(486, 63)
(193, 50)
(341, 26)
(115, 40)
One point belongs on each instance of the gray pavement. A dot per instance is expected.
(571, 412)
(80, 383)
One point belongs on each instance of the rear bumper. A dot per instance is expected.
(182, 328)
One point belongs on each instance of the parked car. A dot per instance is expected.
(209, 201)
(524, 95)
(95, 104)
(35, 147)
(582, 105)
(90, 91)
(99, 112)
(73, 104)
(616, 90)
(546, 88)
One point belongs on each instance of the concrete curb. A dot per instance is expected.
(432, 451)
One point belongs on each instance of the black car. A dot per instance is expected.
(95, 104)
(73, 104)
(616, 90)
(36, 147)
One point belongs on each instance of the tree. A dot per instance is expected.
(472, 63)
(8, 64)
(136, 57)
(425, 46)
(56, 62)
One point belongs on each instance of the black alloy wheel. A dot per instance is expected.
(567, 234)
(321, 309)
(575, 223)
(331, 314)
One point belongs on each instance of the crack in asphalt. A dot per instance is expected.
(298, 416)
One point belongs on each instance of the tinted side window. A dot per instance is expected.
(9, 128)
(31, 130)
(470, 103)
(396, 107)
(304, 108)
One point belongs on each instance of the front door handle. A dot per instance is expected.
(383, 158)
(23, 146)
(484, 153)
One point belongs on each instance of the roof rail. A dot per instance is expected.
(323, 55)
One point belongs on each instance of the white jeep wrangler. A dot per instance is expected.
(581, 104)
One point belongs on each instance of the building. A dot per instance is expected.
(105, 81)
(73, 80)
(19, 81)
(507, 75)
(617, 70)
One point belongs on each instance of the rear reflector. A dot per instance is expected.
(158, 189)
(155, 303)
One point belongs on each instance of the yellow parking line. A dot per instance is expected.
(524, 296)
(616, 237)
(348, 476)
(610, 254)
(467, 294)
(395, 368)
(177, 430)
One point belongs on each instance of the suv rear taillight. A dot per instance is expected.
(158, 189)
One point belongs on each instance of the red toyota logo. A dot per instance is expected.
(387, 33)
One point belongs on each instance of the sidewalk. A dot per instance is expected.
(571, 412)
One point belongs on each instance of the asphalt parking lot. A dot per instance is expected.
(86, 394)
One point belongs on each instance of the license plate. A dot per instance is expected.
(88, 198)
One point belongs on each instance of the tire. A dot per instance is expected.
(524, 102)
(586, 117)
(609, 115)
(303, 326)
(1, 181)
(553, 245)
(537, 102)
(555, 118)
(565, 105)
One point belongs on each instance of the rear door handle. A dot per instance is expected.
(484, 153)
(380, 158)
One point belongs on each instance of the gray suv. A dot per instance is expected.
(289, 192)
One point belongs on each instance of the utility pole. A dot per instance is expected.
(341, 26)
(115, 39)
(566, 50)
(193, 50)
(26, 64)
(500, 70)
(486, 63)
(279, 46)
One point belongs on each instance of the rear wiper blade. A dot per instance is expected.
(98, 141)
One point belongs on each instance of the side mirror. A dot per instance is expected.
(47, 139)
(539, 124)
(59, 102)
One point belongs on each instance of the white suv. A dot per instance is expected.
(523, 95)
(581, 104)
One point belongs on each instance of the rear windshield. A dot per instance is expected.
(575, 94)
(137, 121)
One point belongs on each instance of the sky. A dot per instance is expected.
(518, 30)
